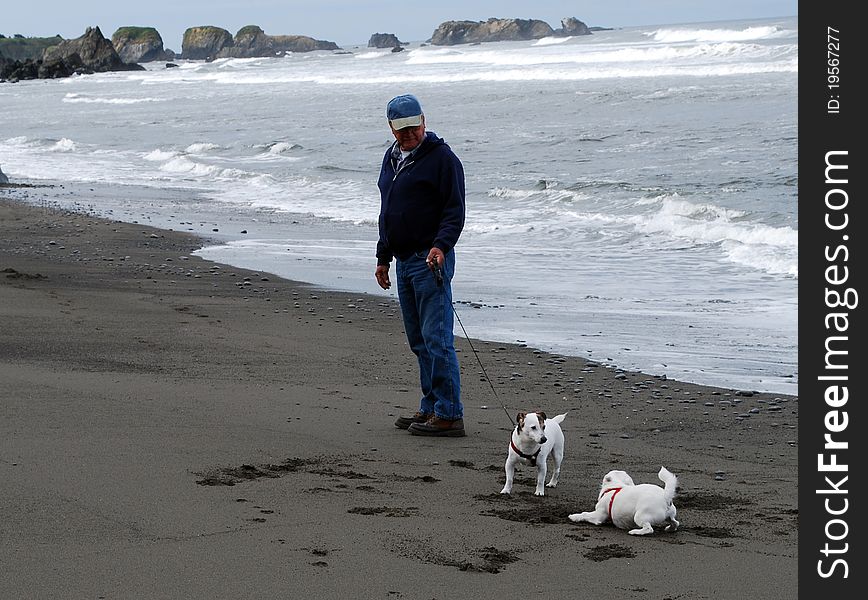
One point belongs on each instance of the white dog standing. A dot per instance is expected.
(627, 505)
(535, 438)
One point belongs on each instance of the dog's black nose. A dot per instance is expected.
(542, 440)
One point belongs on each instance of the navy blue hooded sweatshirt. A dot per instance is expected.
(422, 206)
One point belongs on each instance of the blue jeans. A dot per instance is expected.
(428, 320)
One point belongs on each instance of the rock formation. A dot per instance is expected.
(572, 26)
(16, 70)
(203, 43)
(90, 53)
(385, 40)
(451, 33)
(22, 48)
(250, 42)
(3, 178)
(140, 44)
(94, 51)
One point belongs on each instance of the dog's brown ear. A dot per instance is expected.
(541, 415)
(519, 418)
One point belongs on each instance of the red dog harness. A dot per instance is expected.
(612, 499)
(531, 457)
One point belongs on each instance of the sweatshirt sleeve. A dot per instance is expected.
(384, 253)
(452, 187)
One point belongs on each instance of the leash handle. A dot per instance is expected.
(438, 272)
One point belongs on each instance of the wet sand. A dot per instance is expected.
(176, 428)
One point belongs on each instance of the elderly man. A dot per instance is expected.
(421, 217)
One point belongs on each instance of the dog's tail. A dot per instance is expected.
(558, 418)
(670, 484)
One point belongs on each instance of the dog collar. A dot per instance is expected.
(530, 457)
(612, 499)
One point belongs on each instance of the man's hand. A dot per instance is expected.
(435, 258)
(382, 275)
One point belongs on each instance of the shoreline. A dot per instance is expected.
(254, 241)
(181, 428)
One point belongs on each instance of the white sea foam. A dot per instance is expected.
(551, 41)
(159, 155)
(760, 246)
(769, 258)
(281, 147)
(525, 75)
(346, 201)
(527, 62)
(201, 147)
(64, 145)
(670, 36)
(372, 54)
(183, 165)
(80, 98)
(575, 54)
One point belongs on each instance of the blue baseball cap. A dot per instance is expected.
(404, 111)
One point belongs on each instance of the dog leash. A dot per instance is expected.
(476, 354)
(438, 276)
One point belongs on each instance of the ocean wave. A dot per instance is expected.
(565, 214)
(281, 147)
(201, 147)
(546, 195)
(79, 98)
(670, 36)
(35, 144)
(575, 54)
(231, 63)
(546, 61)
(64, 145)
(184, 165)
(160, 155)
(527, 75)
(760, 246)
(346, 201)
(551, 41)
(372, 54)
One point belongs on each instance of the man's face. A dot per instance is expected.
(409, 137)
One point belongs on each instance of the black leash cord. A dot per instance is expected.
(487, 378)
(438, 277)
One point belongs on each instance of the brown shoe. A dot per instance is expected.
(405, 422)
(439, 427)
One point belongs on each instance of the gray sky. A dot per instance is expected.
(351, 22)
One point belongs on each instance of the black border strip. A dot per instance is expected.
(832, 227)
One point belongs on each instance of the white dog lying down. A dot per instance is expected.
(535, 438)
(628, 505)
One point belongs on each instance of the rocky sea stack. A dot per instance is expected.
(572, 26)
(204, 42)
(140, 44)
(451, 33)
(19, 47)
(385, 40)
(90, 53)
(208, 43)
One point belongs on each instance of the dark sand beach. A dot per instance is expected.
(175, 428)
